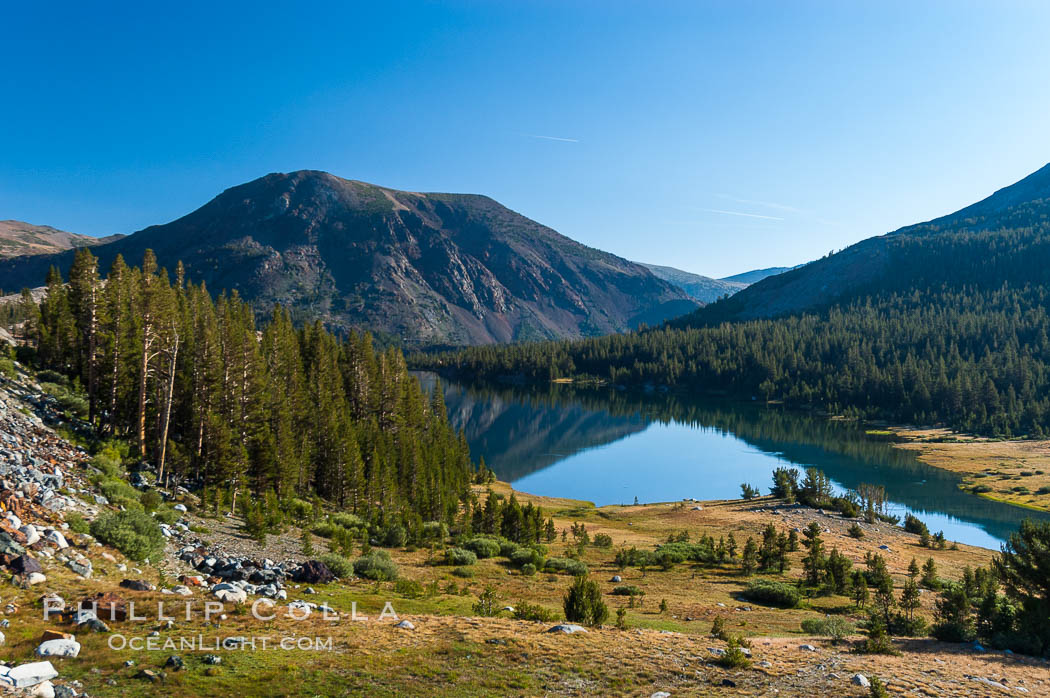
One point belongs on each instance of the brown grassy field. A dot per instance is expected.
(1014, 471)
(450, 652)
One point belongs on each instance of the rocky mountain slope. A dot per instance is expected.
(756, 275)
(425, 268)
(20, 238)
(701, 288)
(1010, 224)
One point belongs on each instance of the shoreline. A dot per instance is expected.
(1010, 471)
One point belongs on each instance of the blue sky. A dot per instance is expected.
(712, 136)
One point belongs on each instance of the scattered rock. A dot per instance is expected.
(175, 663)
(860, 680)
(406, 625)
(28, 674)
(64, 647)
(808, 648)
(568, 628)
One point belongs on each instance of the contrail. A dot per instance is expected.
(738, 213)
(552, 138)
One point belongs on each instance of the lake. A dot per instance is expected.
(610, 447)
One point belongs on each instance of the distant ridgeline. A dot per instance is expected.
(208, 396)
(942, 322)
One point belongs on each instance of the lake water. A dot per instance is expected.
(610, 447)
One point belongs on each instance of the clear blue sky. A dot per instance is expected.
(712, 136)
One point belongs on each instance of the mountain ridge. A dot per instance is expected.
(424, 268)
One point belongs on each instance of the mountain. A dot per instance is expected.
(20, 238)
(426, 268)
(756, 275)
(948, 250)
(701, 288)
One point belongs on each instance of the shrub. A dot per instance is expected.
(528, 569)
(132, 532)
(523, 610)
(487, 604)
(734, 657)
(912, 524)
(583, 602)
(603, 540)
(435, 530)
(409, 588)
(348, 521)
(464, 572)
(772, 593)
(376, 565)
(483, 547)
(459, 556)
(150, 500)
(340, 566)
(833, 627)
(328, 530)
(166, 516)
(718, 629)
(394, 536)
(77, 523)
(847, 507)
(527, 556)
(855, 531)
(562, 564)
(299, 509)
(748, 492)
(627, 590)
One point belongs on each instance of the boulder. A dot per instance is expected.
(56, 538)
(567, 628)
(24, 564)
(175, 663)
(181, 590)
(860, 680)
(233, 595)
(45, 689)
(314, 572)
(81, 567)
(27, 675)
(35, 578)
(59, 648)
(55, 635)
(137, 585)
(405, 625)
(108, 606)
(807, 648)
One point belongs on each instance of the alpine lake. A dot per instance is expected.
(616, 447)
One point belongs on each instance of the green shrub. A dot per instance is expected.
(464, 572)
(833, 627)
(734, 657)
(340, 566)
(562, 564)
(132, 532)
(483, 547)
(855, 531)
(627, 590)
(377, 566)
(166, 516)
(524, 610)
(409, 588)
(299, 509)
(394, 536)
(603, 540)
(528, 569)
(347, 521)
(487, 604)
(77, 523)
(525, 556)
(327, 529)
(435, 530)
(459, 557)
(150, 500)
(772, 593)
(583, 602)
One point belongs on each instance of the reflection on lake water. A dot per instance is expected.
(609, 447)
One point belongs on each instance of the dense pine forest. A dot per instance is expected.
(208, 398)
(954, 331)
